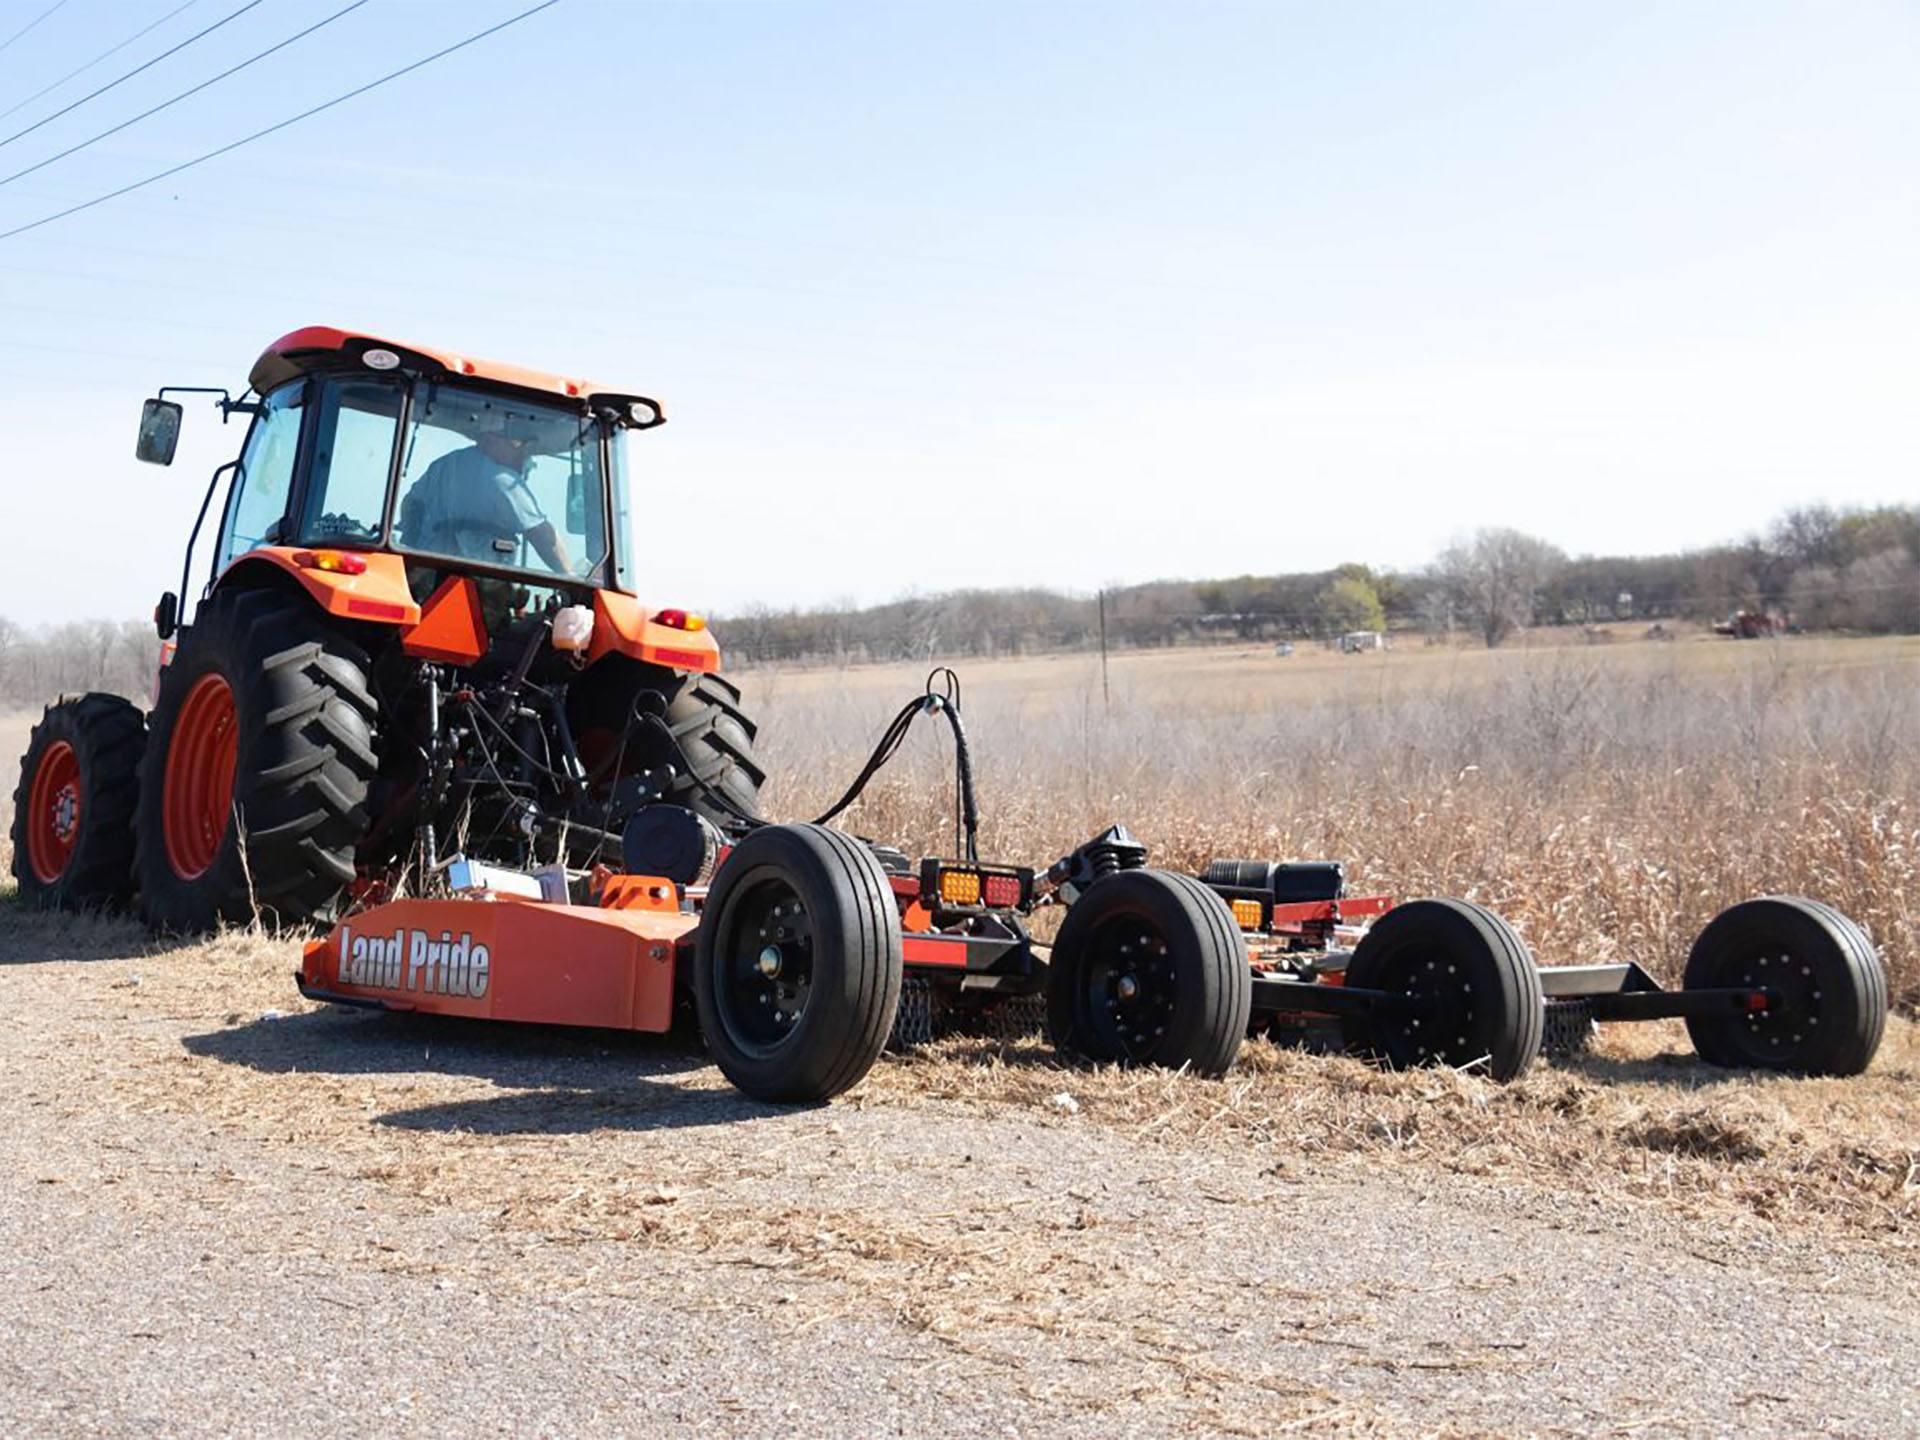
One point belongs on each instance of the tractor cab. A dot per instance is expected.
(364, 454)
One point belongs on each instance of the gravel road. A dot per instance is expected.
(219, 1218)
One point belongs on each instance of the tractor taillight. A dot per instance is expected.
(1001, 892)
(679, 620)
(339, 562)
(1246, 914)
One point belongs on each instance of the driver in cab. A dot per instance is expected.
(477, 502)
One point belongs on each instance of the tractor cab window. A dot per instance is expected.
(258, 502)
(346, 493)
(503, 481)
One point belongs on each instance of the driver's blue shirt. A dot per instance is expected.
(465, 502)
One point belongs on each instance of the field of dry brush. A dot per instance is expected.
(1608, 800)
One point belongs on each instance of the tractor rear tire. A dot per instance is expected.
(73, 809)
(1477, 975)
(1149, 968)
(716, 772)
(1831, 1006)
(262, 749)
(797, 965)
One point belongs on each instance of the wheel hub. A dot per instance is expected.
(1792, 1011)
(66, 813)
(769, 975)
(1129, 986)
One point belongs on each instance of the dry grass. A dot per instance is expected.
(1607, 800)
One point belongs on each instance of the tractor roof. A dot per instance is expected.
(322, 347)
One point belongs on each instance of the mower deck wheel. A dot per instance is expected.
(73, 810)
(1826, 986)
(1149, 969)
(797, 963)
(1480, 992)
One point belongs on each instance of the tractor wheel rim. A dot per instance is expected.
(766, 974)
(53, 812)
(197, 802)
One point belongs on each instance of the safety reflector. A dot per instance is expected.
(1247, 914)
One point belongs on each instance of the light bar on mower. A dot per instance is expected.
(965, 885)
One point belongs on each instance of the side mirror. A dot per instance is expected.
(159, 432)
(166, 615)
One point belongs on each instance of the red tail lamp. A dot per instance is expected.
(1001, 892)
(680, 620)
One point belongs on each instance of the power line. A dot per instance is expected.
(184, 94)
(103, 55)
(478, 35)
(130, 74)
(8, 42)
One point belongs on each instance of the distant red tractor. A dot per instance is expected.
(1751, 625)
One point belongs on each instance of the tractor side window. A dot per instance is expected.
(261, 486)
(352, 458)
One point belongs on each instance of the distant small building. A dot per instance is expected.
(1355, 642)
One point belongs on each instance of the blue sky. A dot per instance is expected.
(1068, 294)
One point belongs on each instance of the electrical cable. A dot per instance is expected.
(307, 114)
(931, 702)
(103, 55)
(184, 94)
(130, 74)
(7, 44)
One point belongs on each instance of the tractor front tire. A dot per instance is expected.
(261, 752)
(73, 810)
(1479, 990)
(797, 964)
(1149, 968)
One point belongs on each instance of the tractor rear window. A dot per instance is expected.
(352, 458)
(503, 481)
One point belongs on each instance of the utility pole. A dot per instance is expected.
(1106, 691)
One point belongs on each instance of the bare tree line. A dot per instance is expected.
(116, 656)
(1816, 567)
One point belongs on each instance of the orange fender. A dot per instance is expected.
(379, 592)
(622, 625)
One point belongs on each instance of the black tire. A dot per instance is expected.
(1149, 968)
(1483, 988)
(712, 745)
(814, 1025)
(1830, 1010)
(85, 857)
(307, 728)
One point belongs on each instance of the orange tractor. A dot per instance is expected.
(416, 699)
